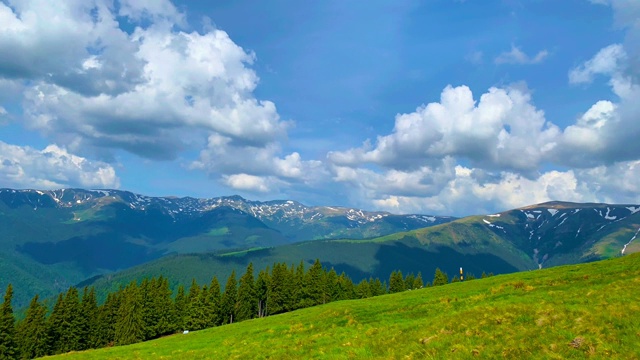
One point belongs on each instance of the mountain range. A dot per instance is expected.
(52, 239)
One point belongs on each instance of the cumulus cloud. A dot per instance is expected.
(52, 167)
(153, 92)
(502, 131)
(517, 56)
(251, 183)
(607, 133)
(465, 193)
(469, 191)
(247, 164)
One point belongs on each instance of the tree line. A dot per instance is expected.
(149, 309)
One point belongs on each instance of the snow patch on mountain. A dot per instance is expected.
(627, 244)
(633, 209)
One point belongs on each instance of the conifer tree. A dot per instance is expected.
(71, 330)
(107, 318)
(314, 286)
(149, 314)
(396, 282)
(193, 309)
(247, 301)
(89, 316)
(279, 293)
(228, 303)
(376, 286)
(31, 333)
(440, 278)
(54, 326)
(129, 327)
(363, 290)
(331, 284)
(346, 289)
(299, 284)
(180, 309)
(213, 302)
(199, 311)
(418, 282)
(8, 347)
(163, 305)
(262, 288)
(408, 281)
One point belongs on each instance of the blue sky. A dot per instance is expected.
(441, 107)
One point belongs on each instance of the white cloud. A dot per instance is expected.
(248, 182)
(225, 156)
(517, 56)
(153, 92)
(466, 193)
(607, 133)
(503, 131)
(606, 62)
(53, 167)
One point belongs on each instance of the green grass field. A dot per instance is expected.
(580, 311)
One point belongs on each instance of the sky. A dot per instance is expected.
(444, 107)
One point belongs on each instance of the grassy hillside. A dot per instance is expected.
(578, 311)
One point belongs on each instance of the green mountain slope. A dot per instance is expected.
(50, 240)
(359, 259)
(578, 311)
(516, 240)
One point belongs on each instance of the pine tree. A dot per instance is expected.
(331, 284)
(89, 314)
(31, 332)
(107, 318)
(363, 290)
(228, 303)
(54, 326)
(376, 286)
(279, 293)
(417, 282)
(8, 347)
(163, 304)
(440, 278)
(346, 289)
(247, 301)
(193, 311)
(299, 283)
(396, 282)
(408, 281)
(262, 288)
(149, 313)
(213, 303)
(314, 292)
(130, 325)
(71, 331)
(198, 311)
(180, 309)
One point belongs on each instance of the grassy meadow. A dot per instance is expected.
(578, 311)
